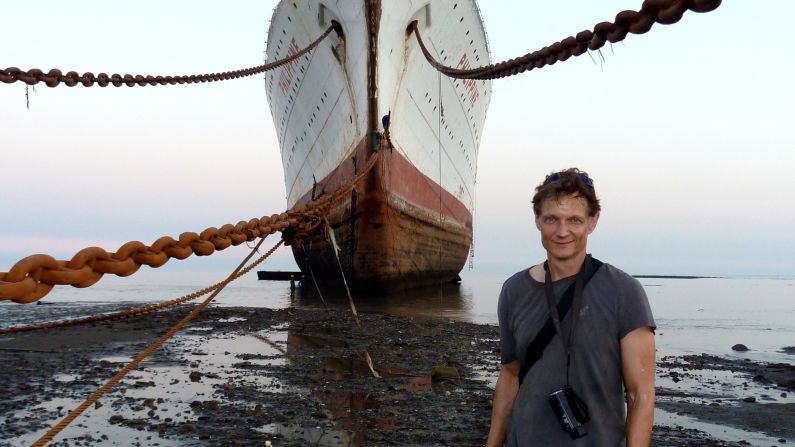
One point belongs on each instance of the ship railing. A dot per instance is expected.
(483, 27)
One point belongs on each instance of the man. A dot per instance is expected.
(607, 350)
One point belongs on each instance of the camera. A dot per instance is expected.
(570, 410)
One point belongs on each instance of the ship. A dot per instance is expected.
(366, 90)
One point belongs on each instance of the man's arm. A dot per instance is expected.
(638, 364)
(504, 395)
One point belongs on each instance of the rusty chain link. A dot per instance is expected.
(310, 216)
(665, 12)
(130, 313)
(55, 76)
(104, 389)
(33, 277)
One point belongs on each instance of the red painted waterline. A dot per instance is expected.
(402, 179)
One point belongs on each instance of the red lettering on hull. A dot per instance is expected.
(469, 84)
(288, 71)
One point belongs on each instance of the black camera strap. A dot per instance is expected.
(574, 309)
(572, 297)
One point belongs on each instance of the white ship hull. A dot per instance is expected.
(411, 218)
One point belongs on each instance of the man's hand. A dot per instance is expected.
(504, 395)
(637, 366)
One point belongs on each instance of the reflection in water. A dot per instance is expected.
(350, 413)
(317, 436)
(447, 300)
(345, 406)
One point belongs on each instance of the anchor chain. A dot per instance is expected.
(55, 76)
(665, 12)
(33, 277)
(131, 313)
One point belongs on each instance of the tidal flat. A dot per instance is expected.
(292, 377)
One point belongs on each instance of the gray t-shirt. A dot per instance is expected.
(613, 305)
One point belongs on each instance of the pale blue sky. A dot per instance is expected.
(686, 131)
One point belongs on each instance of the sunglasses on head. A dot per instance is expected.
(558, 175)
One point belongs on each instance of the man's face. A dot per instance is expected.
(565, 225)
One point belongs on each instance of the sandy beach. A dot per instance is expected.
(291, 377)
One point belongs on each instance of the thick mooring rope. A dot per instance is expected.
(665, 12)
(33, 277)
(50, 435)
(55, 76)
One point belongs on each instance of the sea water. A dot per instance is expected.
(703, 315)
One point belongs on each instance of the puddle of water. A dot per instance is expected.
(488, 371)
(216, 361)
(347, 423)
(721, 432)
(65, 377)
(92, 426)
(720, 385)
(115, 359)
(173, 384)
(341, 368)
(164, 388)
(280, 327)
(232, 320)
(317, 436)
(343, 427)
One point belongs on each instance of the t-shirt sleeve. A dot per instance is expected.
(634, 311)
(507, 341)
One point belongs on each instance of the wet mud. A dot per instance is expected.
(739, 393)
(294, 377)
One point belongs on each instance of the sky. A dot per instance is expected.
(686, 131)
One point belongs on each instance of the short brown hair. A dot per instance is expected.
(565, 183)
